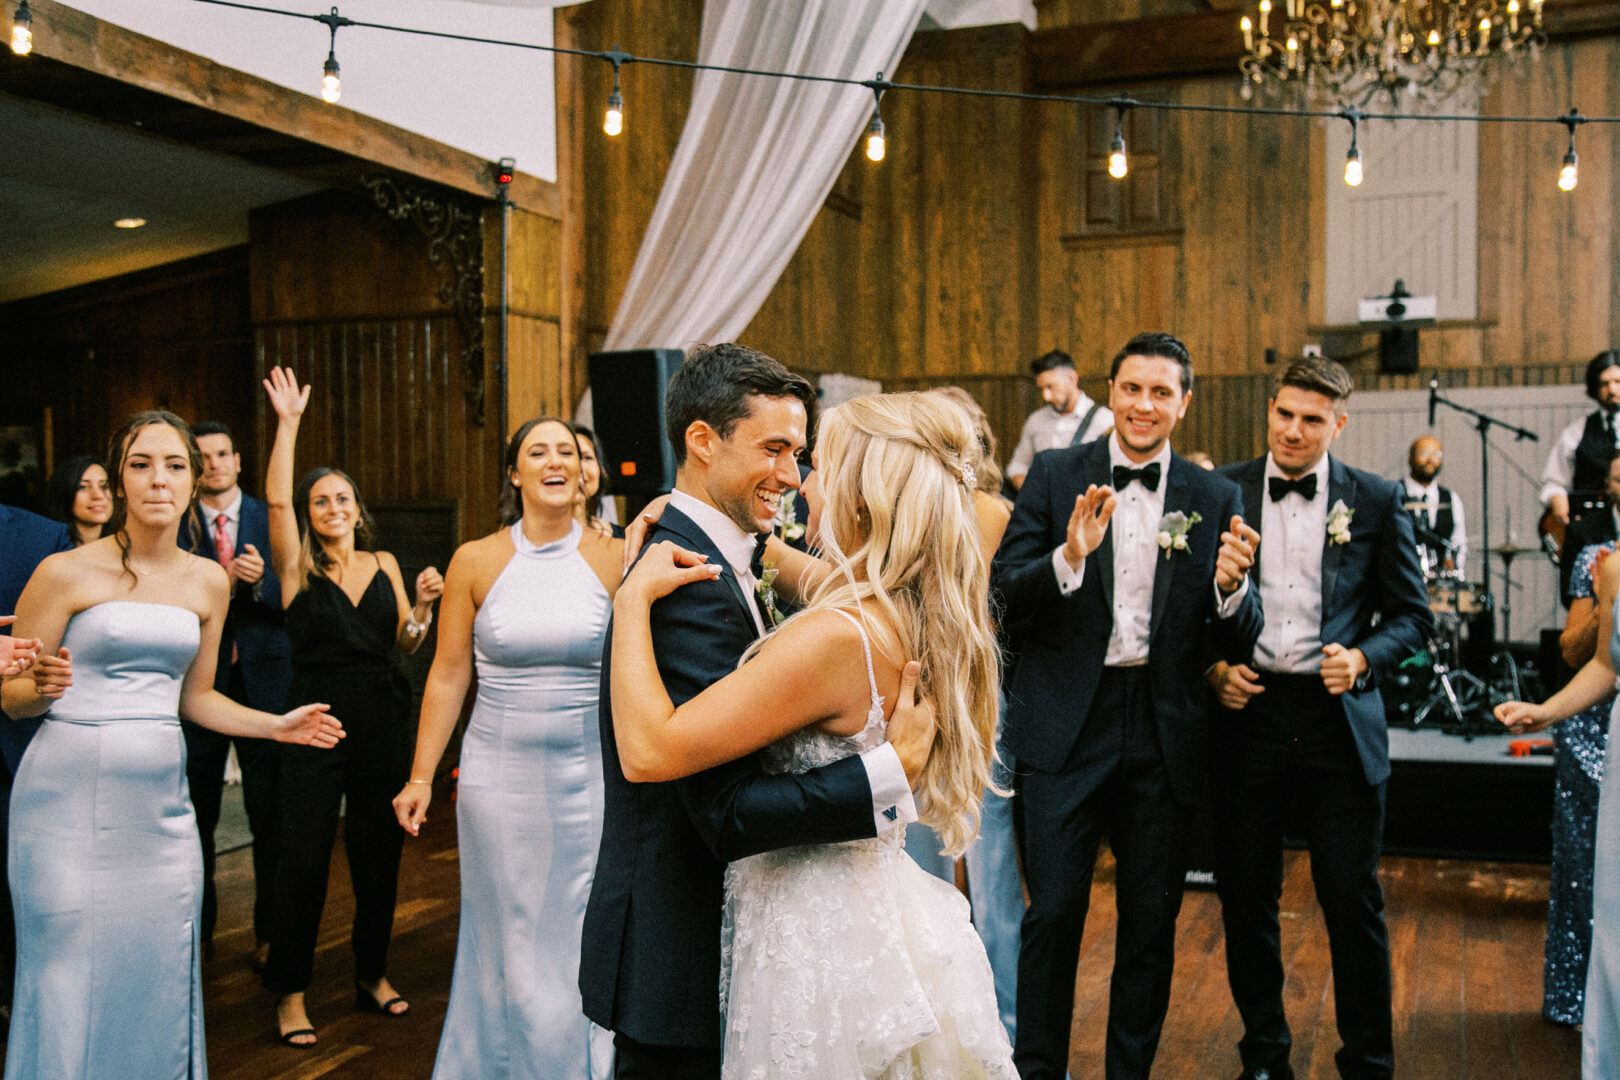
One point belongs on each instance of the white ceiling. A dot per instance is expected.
(64, 180)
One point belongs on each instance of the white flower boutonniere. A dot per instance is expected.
(765, 589)
(1338, 523)
(1173, 530)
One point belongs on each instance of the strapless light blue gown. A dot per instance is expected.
(105, 866)
(529, 821)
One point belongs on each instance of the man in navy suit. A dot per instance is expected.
(1301, 743)
(25, 541)
(255, 666)
(650, 959)
(1123, 577)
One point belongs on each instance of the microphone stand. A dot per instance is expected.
(1483, 423)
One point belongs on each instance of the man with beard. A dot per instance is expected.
(1435, 509)
(1068, 418)
(1573, 481)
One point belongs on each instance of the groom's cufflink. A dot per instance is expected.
(891, 813)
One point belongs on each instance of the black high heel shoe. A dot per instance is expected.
(366, 1001)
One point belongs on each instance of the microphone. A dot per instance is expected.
(1434, 398)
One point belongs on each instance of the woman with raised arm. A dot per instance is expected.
(105, 865)
(346, 615)
(848, 958)
(527, 607)
(1600, 1033)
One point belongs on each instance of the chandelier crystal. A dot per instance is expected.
(1348, 51)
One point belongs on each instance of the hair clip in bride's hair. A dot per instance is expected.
(970, 479)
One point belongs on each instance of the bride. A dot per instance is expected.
(847, 960)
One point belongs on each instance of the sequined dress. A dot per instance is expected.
(845, 961)
(1600, 1031)
(1578, 773)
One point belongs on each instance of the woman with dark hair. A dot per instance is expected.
(105, 865)
(346, 614)
(78, 497)
(593, 484)
(527, 608)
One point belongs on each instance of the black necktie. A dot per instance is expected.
(756, 565)
(1147, 476)
(1305, 486)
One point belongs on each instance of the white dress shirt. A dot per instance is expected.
(1559, 472)
(1048, 429)
(1137, 555)
(892, 802)
(233, 520)
(1429, 496)
(1295, 535)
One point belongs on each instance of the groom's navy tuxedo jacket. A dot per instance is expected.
(650, 955)
(1060, 641)
(1373, 597)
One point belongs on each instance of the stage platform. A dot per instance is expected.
(1456, 796)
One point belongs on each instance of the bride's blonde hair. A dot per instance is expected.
(898, 525)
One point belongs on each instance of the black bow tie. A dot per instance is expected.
(1305, 486)
(1147, 476)
(756, 565)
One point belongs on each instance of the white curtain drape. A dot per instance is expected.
(755, 162)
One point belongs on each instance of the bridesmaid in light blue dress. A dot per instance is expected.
(529, 607)
(104, 864)
(1600, 1032)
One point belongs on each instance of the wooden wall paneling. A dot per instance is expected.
(573, 114)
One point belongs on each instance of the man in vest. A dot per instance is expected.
(1572, 484)
(1068, 418)
(1436, 511)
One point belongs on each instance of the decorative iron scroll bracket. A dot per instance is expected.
(455, 234)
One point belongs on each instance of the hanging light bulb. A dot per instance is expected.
(1118, 166)
(1568, 176)
(877, 147)
(22, 30)
(1352, 160)
(613, 119)
(331, 84)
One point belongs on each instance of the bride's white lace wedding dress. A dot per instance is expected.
(844, 961)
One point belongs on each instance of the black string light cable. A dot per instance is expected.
(879, 86)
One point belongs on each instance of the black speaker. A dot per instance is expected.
(1398, 351)
(627, 402)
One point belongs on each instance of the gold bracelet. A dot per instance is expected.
(429, 783)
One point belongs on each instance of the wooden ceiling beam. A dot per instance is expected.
(1209, 43)
(111, 73)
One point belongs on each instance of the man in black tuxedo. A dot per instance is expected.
(255, 666)
(1301, 743)
(1106, 708)
(650, 956)
(1596, 527)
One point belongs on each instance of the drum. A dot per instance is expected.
(1452, 596)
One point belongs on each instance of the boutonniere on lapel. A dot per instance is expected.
(1173, 529)
(1338, 523)
(765, 589)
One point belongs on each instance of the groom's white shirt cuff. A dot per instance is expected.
(1068, 580)
(892, 804)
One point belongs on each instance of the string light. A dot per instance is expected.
(613, 119)
(22, 30)
(877, 145)
(1118, 166)
(1352, 160)
(1568, 175)
(331, 82)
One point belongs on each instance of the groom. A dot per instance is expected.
(650, 957)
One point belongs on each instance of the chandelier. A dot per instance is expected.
(1347, 51)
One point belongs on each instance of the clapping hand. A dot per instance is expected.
(308, 725)
(429, 586)
(285, 397)
(665, 568)
(1236, 556)
(1523, 718)
(16, 654)
(1088, 523)
(53, 674)
(247, 567)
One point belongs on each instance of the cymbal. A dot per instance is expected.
(1508, 551)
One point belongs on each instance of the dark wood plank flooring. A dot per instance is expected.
(1466, 936)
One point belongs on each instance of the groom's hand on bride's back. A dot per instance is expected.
(911, 728)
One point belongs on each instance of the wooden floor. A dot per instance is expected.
(1466, 936)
